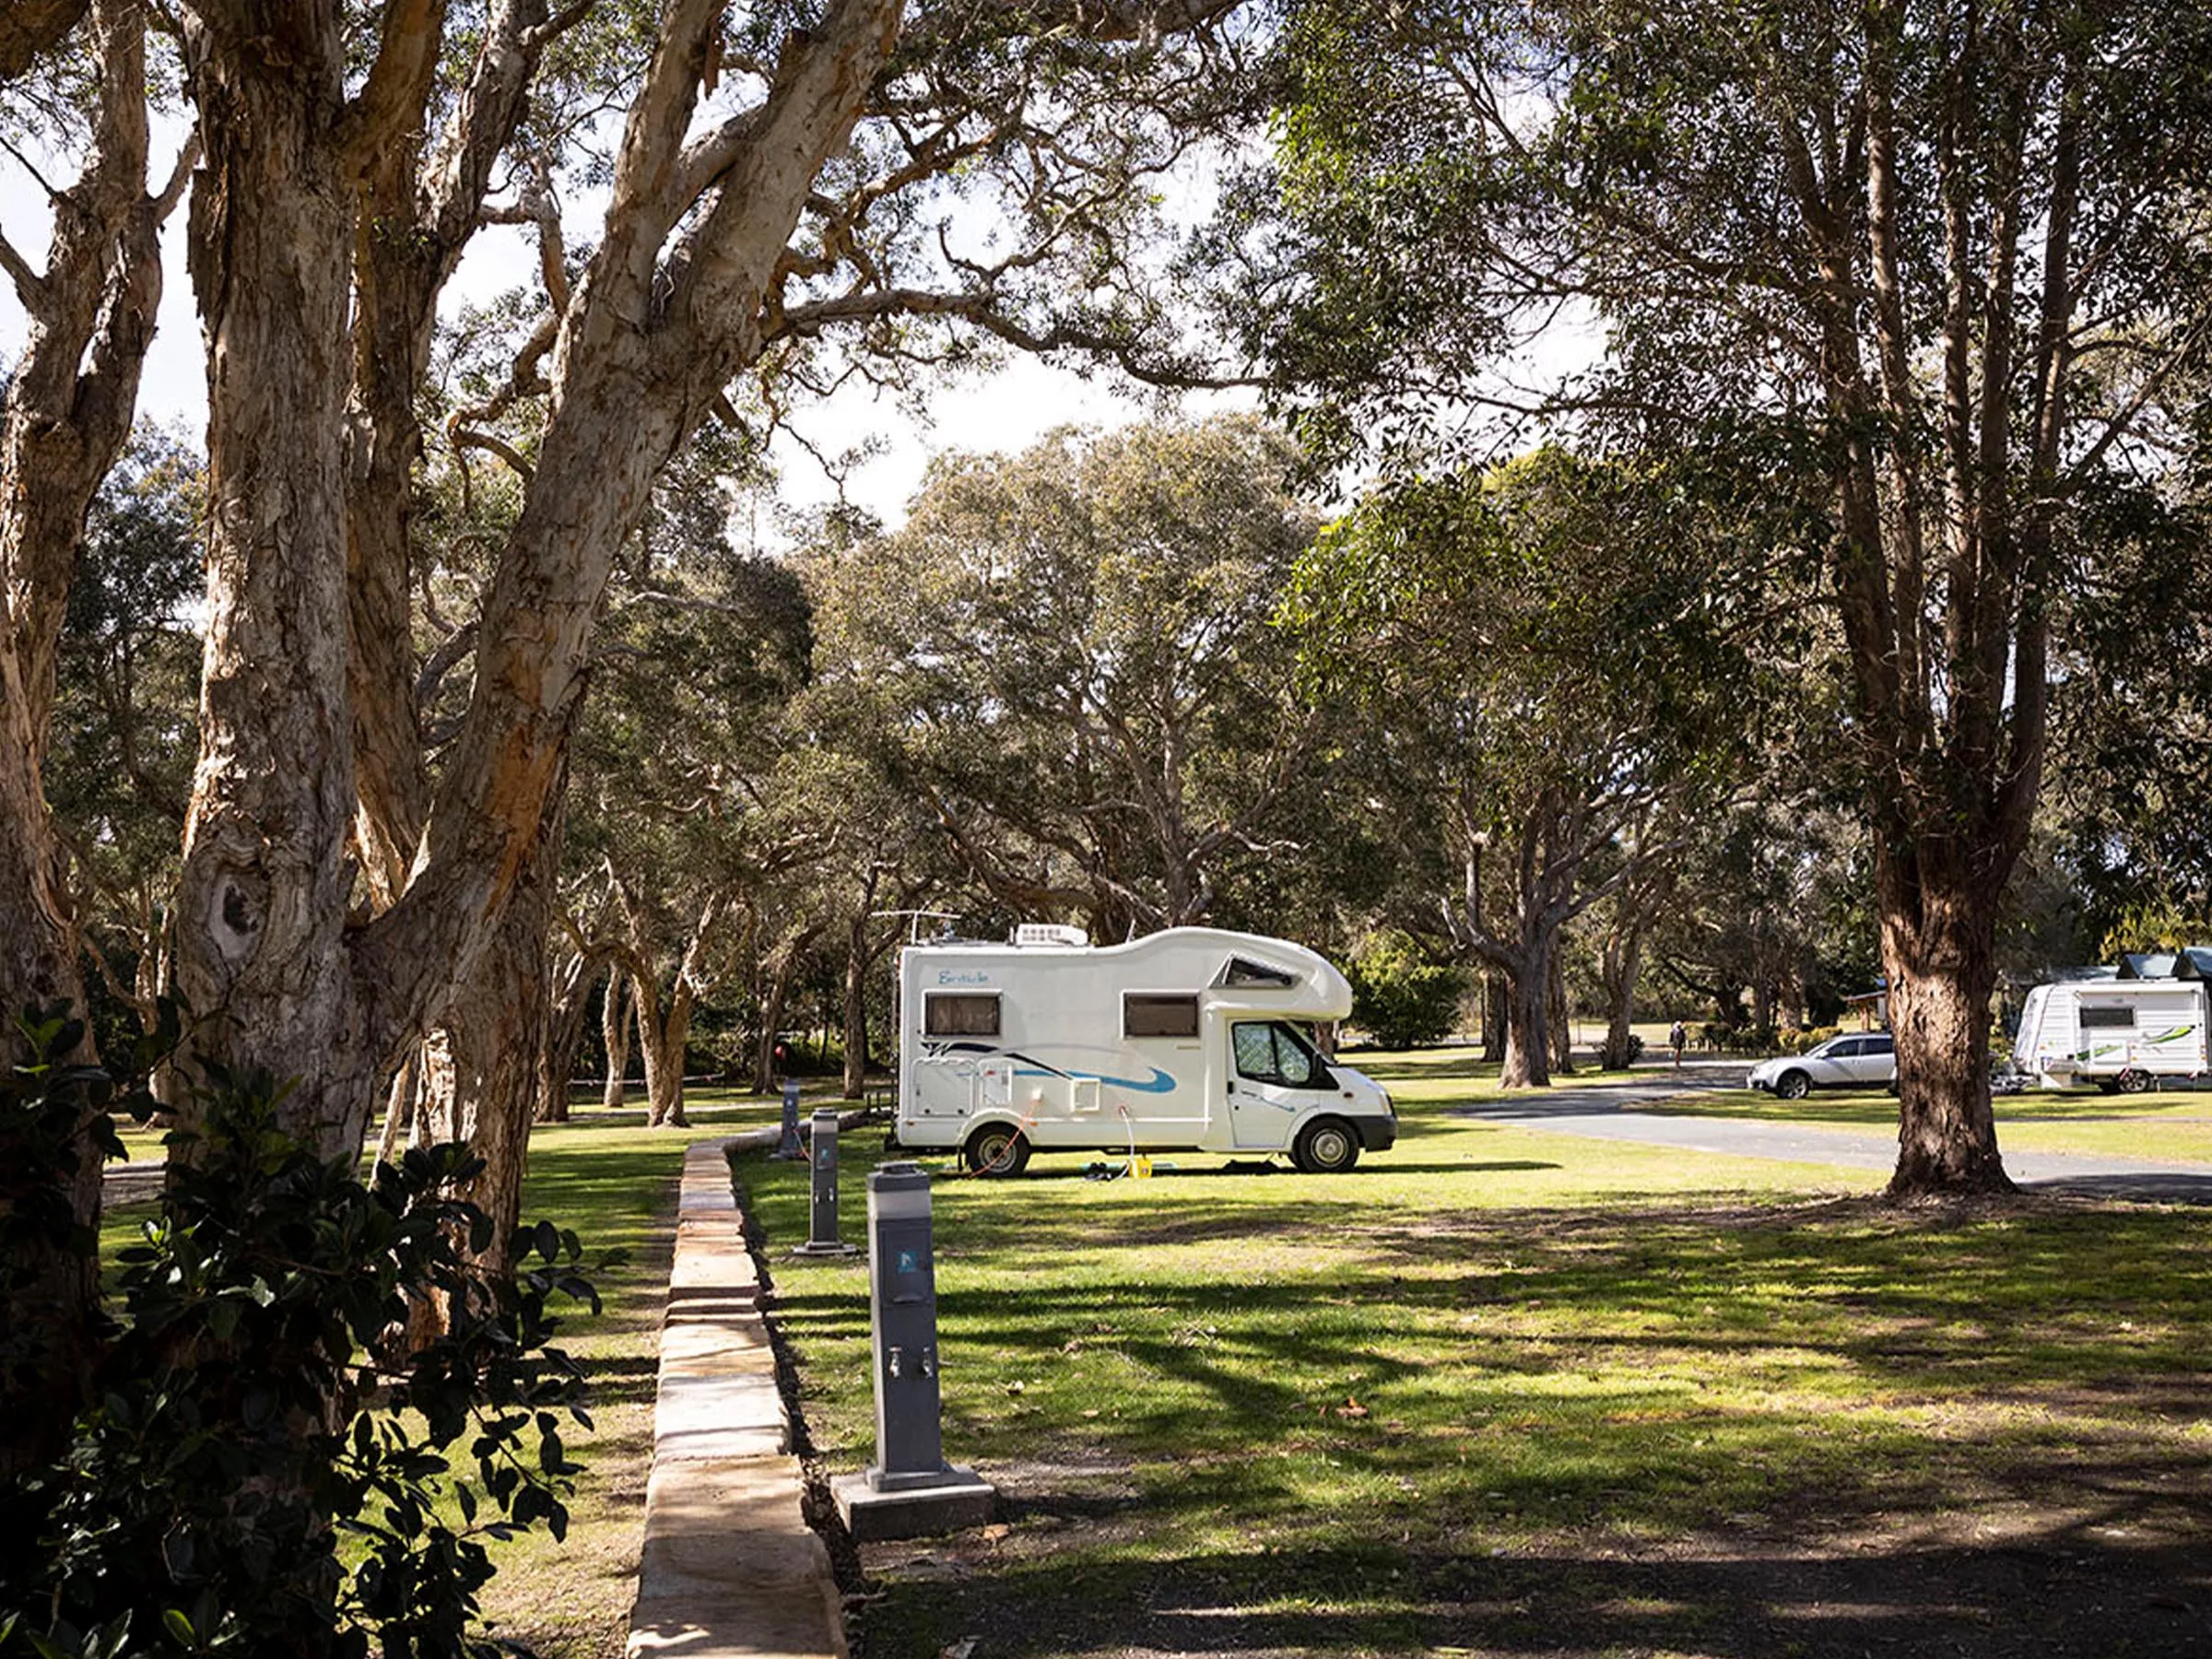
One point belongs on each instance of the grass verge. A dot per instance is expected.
(1502, 1392)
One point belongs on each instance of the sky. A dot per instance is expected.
(999, 412)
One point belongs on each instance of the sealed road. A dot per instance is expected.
(1608, 1112)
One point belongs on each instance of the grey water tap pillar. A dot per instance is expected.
(822, 1240)
(910, 1489)
(787, 1149)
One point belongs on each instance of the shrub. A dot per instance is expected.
(1399, 998)
(256, 1402)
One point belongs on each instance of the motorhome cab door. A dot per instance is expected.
(1273, 1072)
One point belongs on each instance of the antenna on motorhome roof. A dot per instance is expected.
(913, 931)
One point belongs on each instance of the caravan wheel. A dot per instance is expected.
(998, 1149)
(2133, 1081)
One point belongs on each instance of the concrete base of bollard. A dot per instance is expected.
(962, 1499)
(811, 1249)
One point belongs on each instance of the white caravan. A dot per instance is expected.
(2119, 1034)
(1190, 1040)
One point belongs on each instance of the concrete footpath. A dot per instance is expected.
(730, 1566)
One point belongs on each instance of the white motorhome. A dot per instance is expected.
(2121, 1034)
(1190, 1040)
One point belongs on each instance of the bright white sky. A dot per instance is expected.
(1002, 412)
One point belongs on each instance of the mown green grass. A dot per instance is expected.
(1496, 1391)
(613, 1181)
(2171, 1124)
(1447, 1400)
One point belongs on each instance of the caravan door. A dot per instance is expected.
(1273, 1073)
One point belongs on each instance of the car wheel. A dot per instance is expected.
(2132, 1081)
(998, 1149)
(1327, 1147)
(1791, 1085)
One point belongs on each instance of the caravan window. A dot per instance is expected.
(1152, 1016)
(2107, 1014)
(960, 1013)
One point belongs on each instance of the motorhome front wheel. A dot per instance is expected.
(1325, 1147)
(998, 1149)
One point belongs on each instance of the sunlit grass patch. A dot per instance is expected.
(1235, 1411)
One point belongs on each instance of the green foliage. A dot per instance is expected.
(125, 730)
(1069, 655)
(264, 1463)
(1401, 999)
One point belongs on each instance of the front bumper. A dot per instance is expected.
(1376, 1134)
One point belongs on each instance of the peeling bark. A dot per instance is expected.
(69, 406)
(614, 1030)
(263, 897)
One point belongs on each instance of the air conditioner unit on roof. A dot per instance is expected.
(1049, 933)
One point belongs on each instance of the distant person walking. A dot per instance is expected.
(1675, 1038)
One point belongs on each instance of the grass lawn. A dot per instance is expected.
(2169, 1125)
(614, 1181)
(1497, 1392)
(1502, 1392)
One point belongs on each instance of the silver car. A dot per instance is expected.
(1865, 1061)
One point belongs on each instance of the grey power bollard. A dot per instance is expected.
(787, 1149)
(822, 1240)
(910, 1489)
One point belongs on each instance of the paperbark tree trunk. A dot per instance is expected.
(670, 310)
(399, 1109)
(1938, 944)
(495, 1030)
(265, 887)
(785, 966)
(1617, 965)
(1493, 1015)
(1559, 1022)
(69, 406)
(858, 959)
(570, 1008)
(1527, 1062)
(615, 1020)
(493, 1043)
(663, 1036)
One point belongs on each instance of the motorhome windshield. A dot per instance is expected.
(1269, 1051)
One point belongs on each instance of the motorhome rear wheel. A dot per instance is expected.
(998, 1149)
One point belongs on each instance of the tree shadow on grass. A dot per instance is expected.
(2054, 1597)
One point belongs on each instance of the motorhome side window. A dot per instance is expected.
(1241, 973)
(960, 1013)
(2092, 1014)
(1153, 1015)
(1268, 1052)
